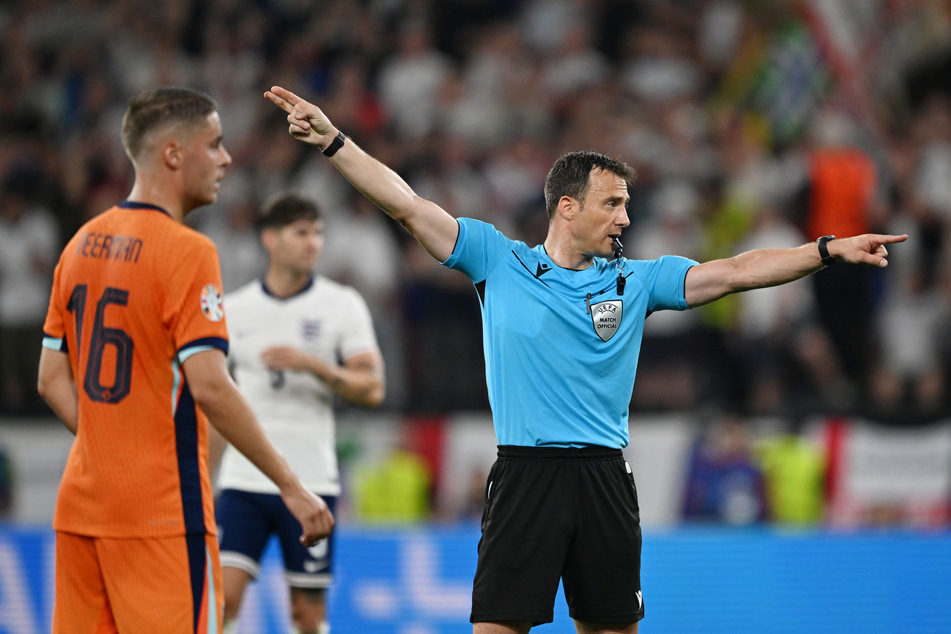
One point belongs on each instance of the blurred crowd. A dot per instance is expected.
(751, 123)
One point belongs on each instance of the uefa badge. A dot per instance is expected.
(606, 318)
(211, 303)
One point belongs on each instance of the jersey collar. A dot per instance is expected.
(128, 204)
(303, 290)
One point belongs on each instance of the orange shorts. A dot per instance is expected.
(170, 585)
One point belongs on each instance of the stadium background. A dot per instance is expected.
(792, 446)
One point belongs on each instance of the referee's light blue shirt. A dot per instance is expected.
(561, 346)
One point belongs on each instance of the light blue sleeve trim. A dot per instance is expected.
(183, 355)
(200, 345)
(53, 343)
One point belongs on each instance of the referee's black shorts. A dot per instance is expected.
(551, 514)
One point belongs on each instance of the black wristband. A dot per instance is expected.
(827, 259)
(335, 145)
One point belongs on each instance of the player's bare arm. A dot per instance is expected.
(762, 268)
(358, 381)
(216, 449)
(58, 387)
(219, 398)
(429, 223)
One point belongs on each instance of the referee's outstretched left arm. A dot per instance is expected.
(762, 268)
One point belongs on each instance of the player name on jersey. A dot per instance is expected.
(109, 247)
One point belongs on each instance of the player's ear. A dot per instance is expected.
(268, 239)
(172, 154)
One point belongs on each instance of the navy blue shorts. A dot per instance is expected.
(559, 514)
(246, 521)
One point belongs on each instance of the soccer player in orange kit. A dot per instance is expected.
(133, 362)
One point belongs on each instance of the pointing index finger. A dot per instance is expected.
(889, 239)
(282, 98)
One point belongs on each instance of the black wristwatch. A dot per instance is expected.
(827, 259)
(335, 145)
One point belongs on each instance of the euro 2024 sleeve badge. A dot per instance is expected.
(212, 303)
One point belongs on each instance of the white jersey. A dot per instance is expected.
(295, 409)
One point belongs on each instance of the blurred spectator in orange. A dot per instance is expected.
(843, 197)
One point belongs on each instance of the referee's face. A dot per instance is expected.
(296, 247)
(603, 213)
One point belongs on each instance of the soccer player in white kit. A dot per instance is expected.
(298, 340)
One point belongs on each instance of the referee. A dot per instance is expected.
(562, 329)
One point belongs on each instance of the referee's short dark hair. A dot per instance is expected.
(570, 176)
(286, 209)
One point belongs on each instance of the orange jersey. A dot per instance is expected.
(135, 292)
